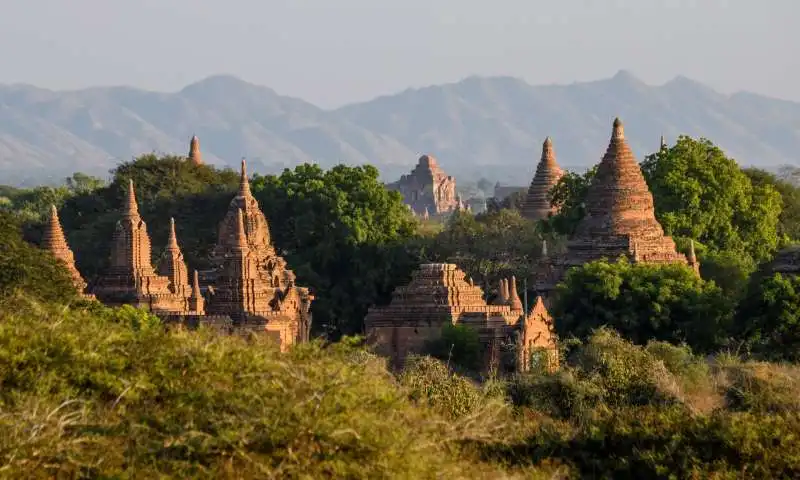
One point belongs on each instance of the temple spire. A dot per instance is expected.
(244, 182)
(536, 205)
(663, 142)
(131, 208)
(54, 241)
(241, 233)
(619, 130)
(516, 303)
(194, 151)
(172, 242)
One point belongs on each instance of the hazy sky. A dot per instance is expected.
(332, 52)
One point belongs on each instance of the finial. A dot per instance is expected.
(548, 142)
(172, 243)
(244, 182)
(663, 142)
(619, 131)
(131, 208)
(53, 212)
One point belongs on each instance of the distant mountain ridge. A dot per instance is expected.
(480, 126)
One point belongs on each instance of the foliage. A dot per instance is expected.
(85, 395)
(643, 302)
(344, 234)
(490, 246)
(458, 345)
(25, 268)
(768, 318)
(568, 196)
(701, 193)
(789, 220)
(513, 201)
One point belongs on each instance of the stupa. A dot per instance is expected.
(55, 242)
(536, 205)
(620, 218)
(194, 151)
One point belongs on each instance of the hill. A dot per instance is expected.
(479, 122)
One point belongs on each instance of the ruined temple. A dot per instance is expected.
(428, 188)
(54, 241)
(251, 282)
(130, 278)
(537, 340)
(194, 151)
(620, 217)
(536, 205)
(437, 295)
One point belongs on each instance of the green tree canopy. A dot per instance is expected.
(789, 220)
(642, 302)
(701, 193)
(343, 233)
(568, 196)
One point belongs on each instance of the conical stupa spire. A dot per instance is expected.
(172, 242)
(536, 205)
(663, 142)
(194, 151)
(131, 209)
(241, 233)
(54, 241)
(516, 303)
(244, 182)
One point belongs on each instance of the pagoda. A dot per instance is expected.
(54, 241)
(536, 205)
(438, 295)
(428, 188)
(250, 281)
(194, 151)
(537, 337)
(620, 217)
(130, 278)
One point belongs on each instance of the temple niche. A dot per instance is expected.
(428, 189)
(536, 205)
(437, 295)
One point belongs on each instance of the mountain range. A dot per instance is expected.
(489, 127)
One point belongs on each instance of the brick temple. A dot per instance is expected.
(620, 220)
(250, 287)
(439, 294)
(428, 190)
(536, 205)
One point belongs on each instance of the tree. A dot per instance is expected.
(344, 234)
(568, 196)
(701, 193)
(789, 220)
(643, 302)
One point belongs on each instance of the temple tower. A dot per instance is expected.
(194, 151)
(54, 241)
(251, 282)
(428, 188)
(536, 205)
(172, 264)
(130, 278)
(620, 218)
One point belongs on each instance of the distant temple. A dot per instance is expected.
(620, 220)
(536, 205)
(194, 151)
(250, 287)
(428, 189)
(439, 295)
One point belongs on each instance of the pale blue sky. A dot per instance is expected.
(331, 52)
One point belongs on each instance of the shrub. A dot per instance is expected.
(459, 346)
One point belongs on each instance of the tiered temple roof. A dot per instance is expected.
(54, 241)
(536, 205)
(427, 187)
(251, 282)
(620, 218)
(437, 295)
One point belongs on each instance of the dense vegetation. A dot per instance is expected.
(662, 373)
